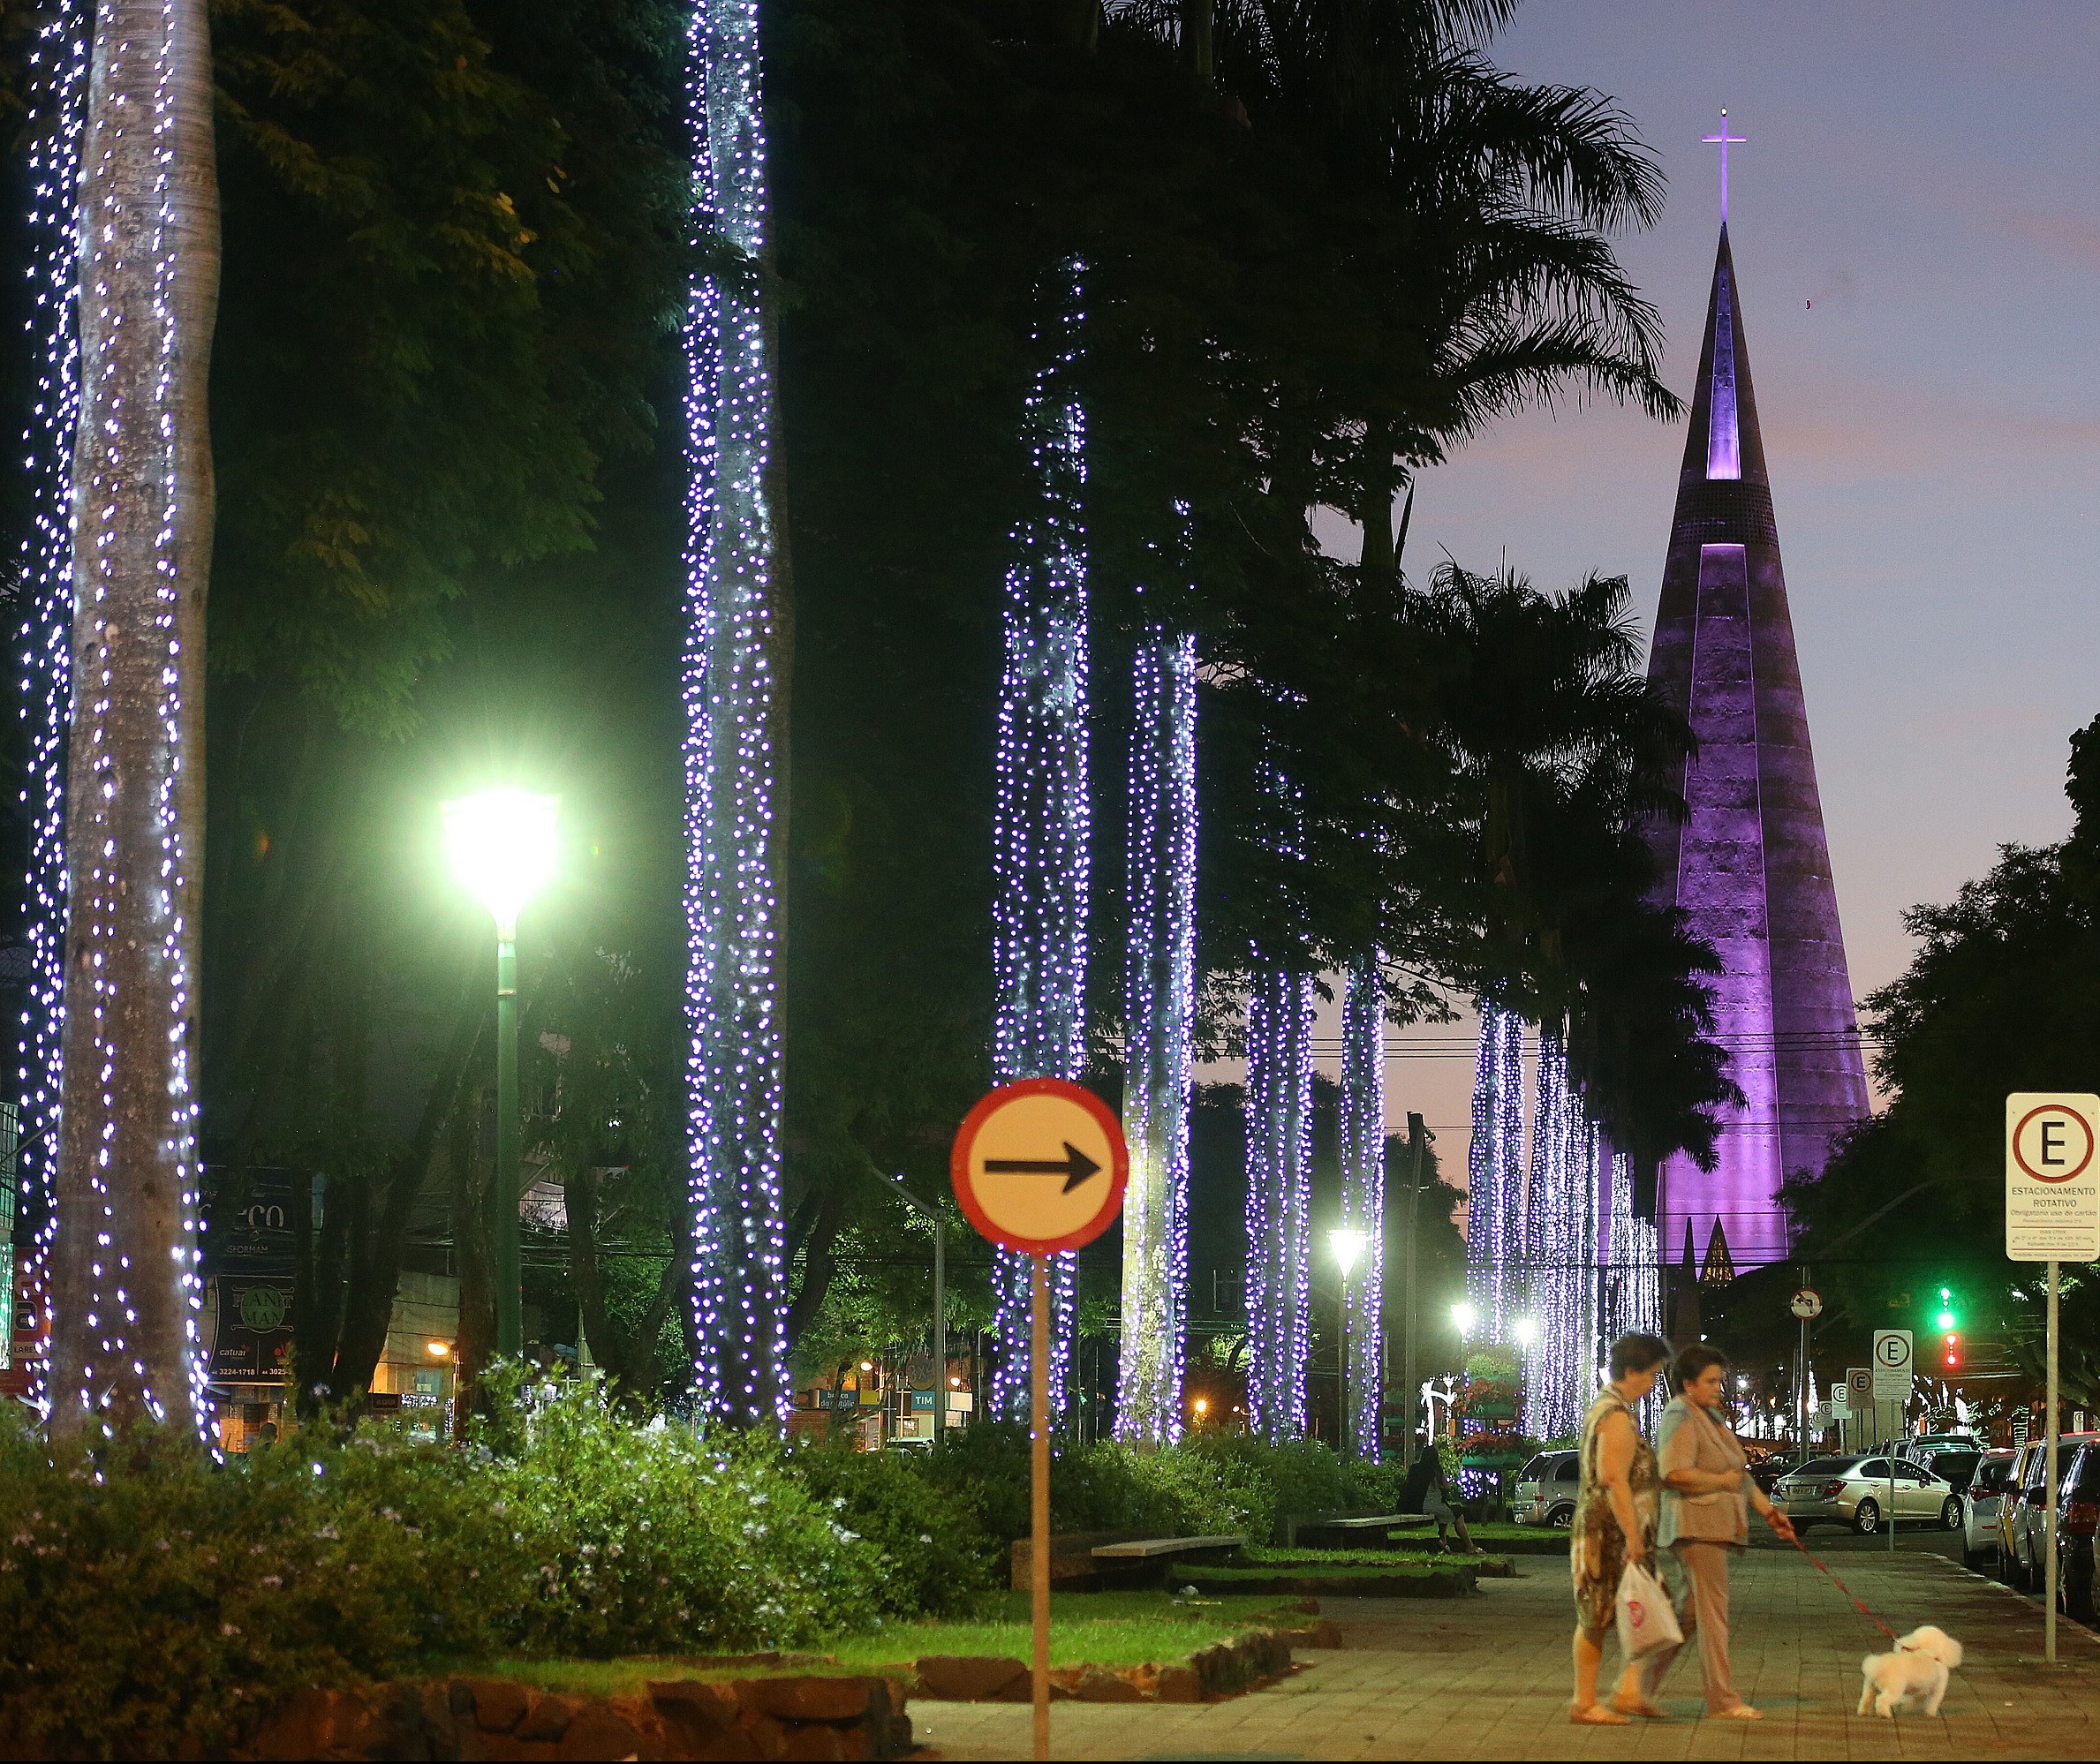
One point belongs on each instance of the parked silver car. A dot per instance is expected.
(1859, 1492)
(2023, 1515)
(1547, 1488)
(1980, 1503)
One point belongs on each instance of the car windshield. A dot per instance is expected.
(2083, 1477)
(1533, 1470)
(1990, 1475)
(1824, 1466)
(1953, 1466)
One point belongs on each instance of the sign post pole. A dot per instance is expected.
(1038, 1415)
(2049, 1568)
(2052, 1215)
(1039, 1167)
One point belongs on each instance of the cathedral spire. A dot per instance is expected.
(1749, 866)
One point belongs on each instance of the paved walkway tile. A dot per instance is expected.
(1487, 1678)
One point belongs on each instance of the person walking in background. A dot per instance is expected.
(1707, 1490)
(1614, 1523)
(1427, 1491)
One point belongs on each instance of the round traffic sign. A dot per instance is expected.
(1040, 1166)
(1807, 1303)
(1892, 1350)
(2052, 1143)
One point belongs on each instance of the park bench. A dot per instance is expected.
(1350, 1531)
(1097, 1561)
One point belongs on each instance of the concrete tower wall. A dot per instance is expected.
(1749, 868)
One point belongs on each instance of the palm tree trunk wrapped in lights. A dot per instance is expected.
(125, 1292)
(1158, 1021)
(1495, 1249)
(1363, 1195)
(1560, 1363)
(738, 646)
(1280, 1017)
(1041, 835)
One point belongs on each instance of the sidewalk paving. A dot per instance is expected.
(1487, 1678)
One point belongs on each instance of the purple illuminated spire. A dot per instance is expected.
(1749, 868)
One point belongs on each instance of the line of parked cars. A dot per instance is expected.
(1995, 1498)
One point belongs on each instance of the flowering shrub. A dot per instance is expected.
(630, 1539)
(929, 1551)
(165, 1601)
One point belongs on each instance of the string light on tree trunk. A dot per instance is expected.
(1560, 1367)
(1363, 1191)
(1280, 1018)
(127, 1292)
(57, 71)
(1495, 1277)
(735, 711)
(1158, 1023)
(1040, 826)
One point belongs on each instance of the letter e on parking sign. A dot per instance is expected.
(2052, 1176)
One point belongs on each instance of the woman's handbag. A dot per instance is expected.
(1646, 1618)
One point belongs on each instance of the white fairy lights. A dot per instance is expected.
(1040, 823)
(1495, 1277)
(1633, 1268)
(1363, 1192)
(1279, 1016)
(58, 80)
(126, 1294)
(1158, 1021)
(733, 707)
(1560, 1373)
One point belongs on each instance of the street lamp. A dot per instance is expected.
(1524, 1330)
(1464, 1318)
(1348, 1245)
(502, 844)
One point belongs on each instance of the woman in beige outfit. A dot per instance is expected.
(1706, 1484)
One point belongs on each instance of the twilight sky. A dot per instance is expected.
(1917, 237)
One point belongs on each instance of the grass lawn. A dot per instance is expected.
(1489, 1528)
(1275, 1559)
(1115, 1630)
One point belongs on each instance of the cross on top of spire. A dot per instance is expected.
(1723, 140)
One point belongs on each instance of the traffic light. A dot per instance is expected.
(1949, 1333)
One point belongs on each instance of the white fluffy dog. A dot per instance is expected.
(1916, 1670)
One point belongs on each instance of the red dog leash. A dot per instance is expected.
(1847, 1591)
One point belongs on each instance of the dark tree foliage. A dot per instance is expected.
(2002, 995)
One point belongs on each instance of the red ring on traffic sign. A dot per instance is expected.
(965, 1143)
(2052, 1109)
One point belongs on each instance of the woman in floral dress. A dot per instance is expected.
(1614, 1523)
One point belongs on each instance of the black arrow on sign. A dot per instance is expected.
(1074, 1166)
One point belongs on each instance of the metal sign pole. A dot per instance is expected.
(1039, 1416)
(2049, 1568)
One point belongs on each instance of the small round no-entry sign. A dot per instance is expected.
(1040, 1166)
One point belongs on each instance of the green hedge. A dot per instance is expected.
(156, 1602)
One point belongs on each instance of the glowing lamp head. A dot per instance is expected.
(1348, 1245)
(1465, 1317)
(1203, 1407)
(438, 1350)
(1524, 1332)
(502, 847)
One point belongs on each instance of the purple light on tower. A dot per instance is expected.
(1749, 867)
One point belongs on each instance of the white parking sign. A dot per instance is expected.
(2053, 1177)
(1891, 1365)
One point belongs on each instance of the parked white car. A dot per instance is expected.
(1980, 1503)
(1859, 1492)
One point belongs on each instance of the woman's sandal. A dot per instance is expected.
(1638, 1706)
(1598, 1715)
(1741, 1712)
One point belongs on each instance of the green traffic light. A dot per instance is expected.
(1946, 1320)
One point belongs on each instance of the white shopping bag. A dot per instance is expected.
(1646, 1620)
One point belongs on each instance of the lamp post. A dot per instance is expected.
(1348, 1244)
(502, 844)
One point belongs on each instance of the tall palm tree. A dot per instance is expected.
(123, 1281)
